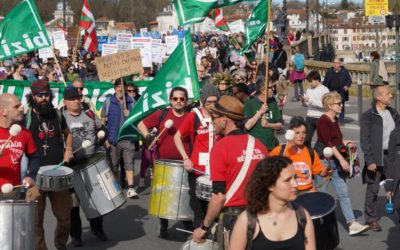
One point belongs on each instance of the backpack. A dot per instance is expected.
(252, 221)
(299, 62)
(310, 151)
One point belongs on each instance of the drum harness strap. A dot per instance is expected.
(206, 122)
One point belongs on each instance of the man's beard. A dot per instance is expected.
(43, 109)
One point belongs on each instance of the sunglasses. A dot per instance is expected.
(79, 88)
(338, 103)
(41, 95)
(211, 102)
(131, 90)
(175, 99)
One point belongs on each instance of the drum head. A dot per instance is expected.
(172, 163)
(317, 204)
(50, 170)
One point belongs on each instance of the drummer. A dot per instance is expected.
(83, 126)
(166, 147)
(48, 128)
(232, 161)
(305, 160)
(11, 112)
(198, 125)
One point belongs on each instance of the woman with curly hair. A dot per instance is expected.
(270, 191)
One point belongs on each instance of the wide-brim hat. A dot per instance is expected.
(230, 107)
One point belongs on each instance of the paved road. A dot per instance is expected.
(131, 227)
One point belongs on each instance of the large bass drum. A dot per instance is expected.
(17, 219)
(96, 187)
(321, 207)
(170, 197)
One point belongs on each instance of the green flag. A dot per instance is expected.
(179, 70)
(22, 31)
(256, 23)
(195, 11)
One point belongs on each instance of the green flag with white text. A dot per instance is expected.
(178, 71)
(195, 11)
(22, 31)
(256, 23)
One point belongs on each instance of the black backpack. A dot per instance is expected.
(310, 151)
(252, 221)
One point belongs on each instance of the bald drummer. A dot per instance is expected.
(12, 148)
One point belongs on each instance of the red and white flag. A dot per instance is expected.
(218, 17)
(88, 24)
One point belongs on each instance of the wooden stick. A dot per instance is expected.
(266, 57)
(5, 144)
(59, 68)
(77, 41)
(123, 93)
(157, 137)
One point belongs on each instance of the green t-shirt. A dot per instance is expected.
(265, 135)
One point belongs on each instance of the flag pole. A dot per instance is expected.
(123, 93)
(77, 42)
(266, 57)
(58, 66)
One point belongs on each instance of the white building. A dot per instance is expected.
(297, 19)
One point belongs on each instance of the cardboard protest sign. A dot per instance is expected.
(114, 66)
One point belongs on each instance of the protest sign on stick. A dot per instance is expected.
(114, 66)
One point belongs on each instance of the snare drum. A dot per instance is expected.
(96, 187)
(170, 197)
(50, 179)
(208, 245)
(321, 207)
(203, 188)
(17, 230)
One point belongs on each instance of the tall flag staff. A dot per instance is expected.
(266, 57)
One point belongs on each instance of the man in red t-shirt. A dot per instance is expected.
(166, 146)
(11, 112)
(232, 161)
(197, 125)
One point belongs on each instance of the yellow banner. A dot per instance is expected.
(376, 7)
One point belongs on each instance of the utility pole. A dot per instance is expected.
(64, 9)
(307, 16)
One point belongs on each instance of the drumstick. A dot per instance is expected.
(199, 171)
(328, 153)
(168, 124)
(85, 144)
(15, 129)
(289, 135)
(8, 187)
(184, 230)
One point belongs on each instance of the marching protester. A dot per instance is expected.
(113, 114)
(313, 100)
(376, 125)
(263, 117)
(270, 192)
(48, 128)
(198, 125)
(83, 125)
(232, 161)
(166, 145)
(11, 113)
(330, 135)
(338, 79)
(305, 160)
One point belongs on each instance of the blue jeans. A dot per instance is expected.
(340, 186)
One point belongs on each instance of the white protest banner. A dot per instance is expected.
(143, 30)
(157, 51)
(45, 53)
(144, 45)
(171, 42)
(114, 66)
(59, 39)
(236, 26)
(124, 41)
(108, 49)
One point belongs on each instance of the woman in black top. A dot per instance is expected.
(270, 190)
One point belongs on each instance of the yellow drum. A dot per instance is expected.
(170, 197)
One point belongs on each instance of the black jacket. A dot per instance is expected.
(345, 80)
(393, 168)
(371, 130)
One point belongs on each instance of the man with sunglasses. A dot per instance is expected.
(48, 128)
(166, 145)
(198, 126)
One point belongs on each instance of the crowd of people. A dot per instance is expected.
(229, 137)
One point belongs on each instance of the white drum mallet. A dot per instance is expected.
(8, 187)
(328, 153)
(85, 144)
(101, 134)
(15, 129)
(167, 125)
(289, 135)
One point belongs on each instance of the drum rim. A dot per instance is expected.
(332, 209)
(17, 202)
(173, 162)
